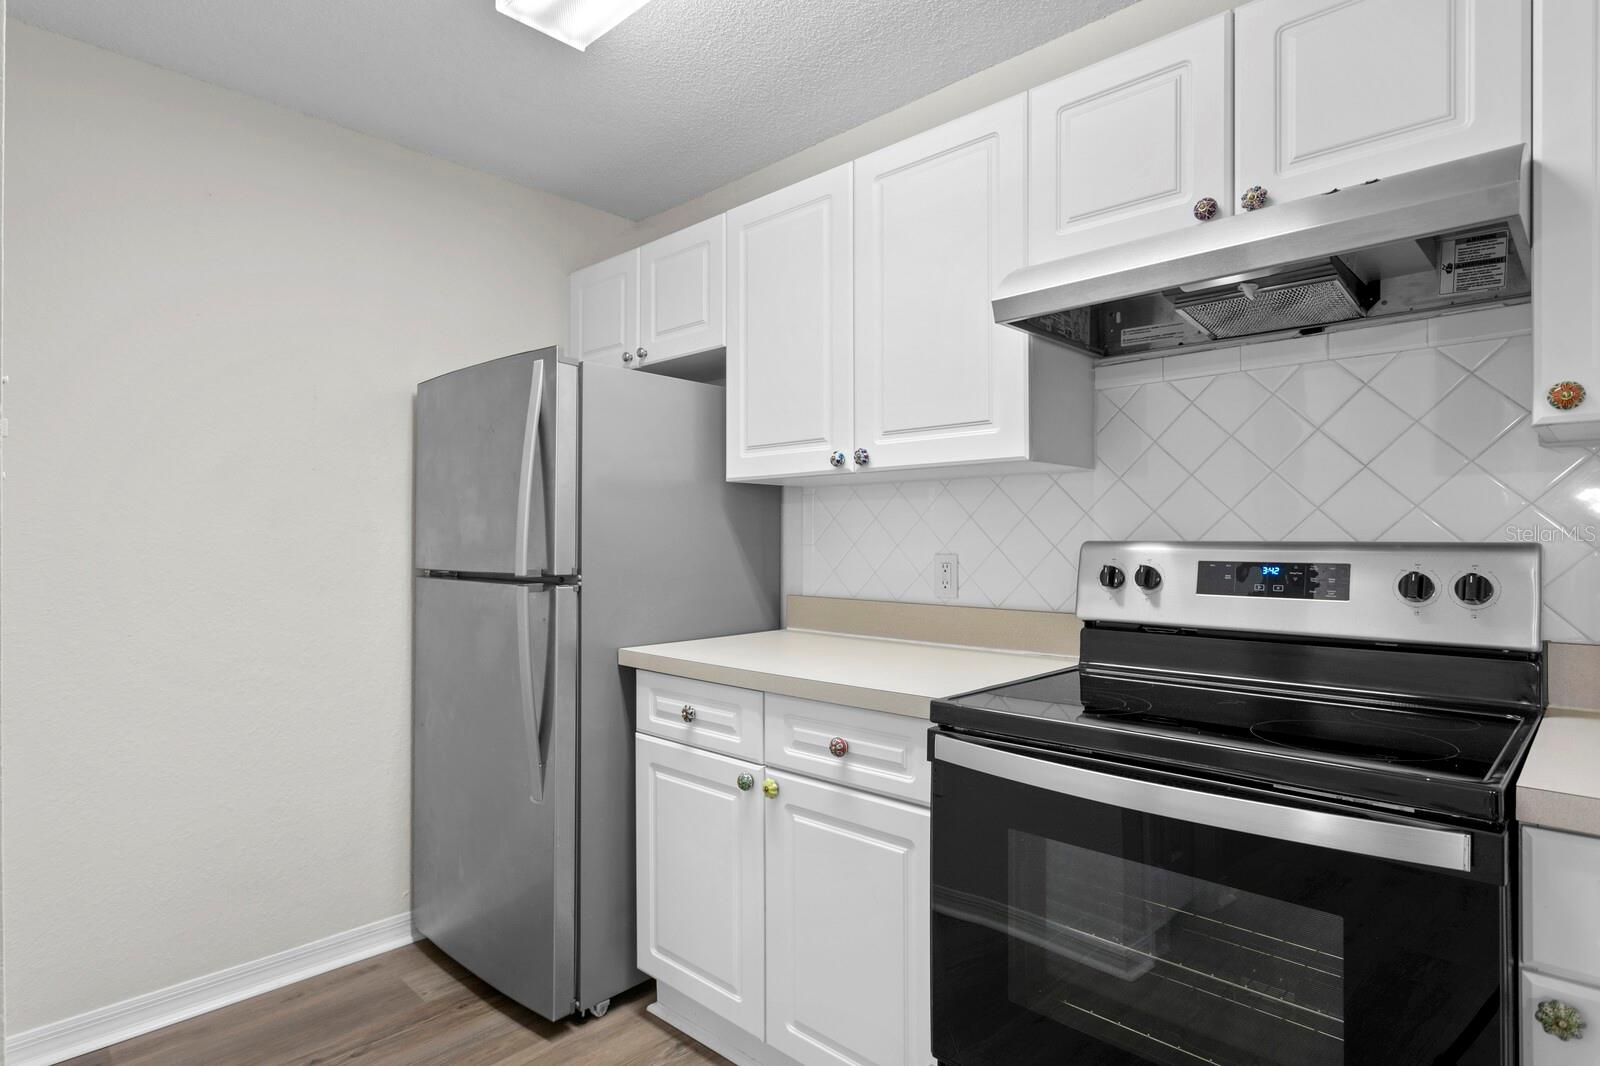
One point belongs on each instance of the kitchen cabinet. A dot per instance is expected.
(790, 330)
(1560, 945)
(1566, 222)
(603, 317)
(780, 905)
(1333, 93)
(700, 877)
(1132, 146)
(940, 219)
(681, 292)
(847, 926)
(652, 304)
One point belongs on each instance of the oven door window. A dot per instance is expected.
(1071, 931)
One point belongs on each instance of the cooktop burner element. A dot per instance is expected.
(1284, 689)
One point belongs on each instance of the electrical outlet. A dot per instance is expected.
(946, 576)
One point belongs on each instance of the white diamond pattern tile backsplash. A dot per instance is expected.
(1421, 443)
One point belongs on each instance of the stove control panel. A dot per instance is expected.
(1289, 581)
(1475, 595)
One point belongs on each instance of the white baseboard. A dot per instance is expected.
(153, 1010)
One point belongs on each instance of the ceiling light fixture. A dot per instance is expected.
(578, 23)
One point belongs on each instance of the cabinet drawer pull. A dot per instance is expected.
(838, 747)
(769, 788)
(745, 782)
(1565, 395)
(1205, 208)
(837, 459)
(1253, 198)
(863, 457)
(1561, 1020)
(688, 713)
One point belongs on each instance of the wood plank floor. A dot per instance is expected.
(412, 1007)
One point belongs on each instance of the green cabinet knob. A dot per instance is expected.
(769, 788)
(1560, 1020)
(746, 782)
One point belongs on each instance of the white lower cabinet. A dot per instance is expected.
(1547, 1000)
(1560, 1007)
(779, 907)
(700, 877)
(847, 926)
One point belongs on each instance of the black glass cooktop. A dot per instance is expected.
(1431, 758)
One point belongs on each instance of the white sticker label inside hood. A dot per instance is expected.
(1472, 264)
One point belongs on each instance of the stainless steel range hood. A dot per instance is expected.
(1442, 237)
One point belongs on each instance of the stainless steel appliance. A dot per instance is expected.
(1443, 237)
(562, 512)
(1264, 823)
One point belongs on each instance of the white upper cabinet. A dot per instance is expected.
(1566, 222)
(790, 329)
(652, 304)
(700, 877)
(1135, 145)
(847, 927)
(681, 293)
(603, 321)
(1333, 93)
(940, 220)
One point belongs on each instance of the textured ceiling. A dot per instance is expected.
(681, 98)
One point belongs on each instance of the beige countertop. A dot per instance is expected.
(1559, 787)
(878, 673)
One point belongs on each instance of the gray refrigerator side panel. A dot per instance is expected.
(493, 458)
(670, 551)
(494, 779)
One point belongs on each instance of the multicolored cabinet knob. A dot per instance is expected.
(1206, 208)
(769, 788)
(1565, 395)
(1253, 198)
(1560, 1020)
(838, 747)
(837, 459)
(745, 782)
(862, 458)
(688, 713)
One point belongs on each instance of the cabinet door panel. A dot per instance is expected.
(700, 909)
(681, 293)
(1540, 1048)
(790, 329)
(604, 316)
(1125, 148)
(1560, 883)
(1332, 93)
(939, 222)
(847, 930)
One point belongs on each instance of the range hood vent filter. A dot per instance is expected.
(1321, 295)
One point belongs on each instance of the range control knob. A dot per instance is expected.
(1416, 587)
(1111, 576)
(1147, 578)
(1473, 589)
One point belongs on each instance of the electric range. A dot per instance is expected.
(1265, 822)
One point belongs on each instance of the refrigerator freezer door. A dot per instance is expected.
(671, 551)
(493, 783)
(496, 467)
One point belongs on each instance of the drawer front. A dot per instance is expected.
(884, 753)
(717, 718)
(1560, 922)
(1559, 999)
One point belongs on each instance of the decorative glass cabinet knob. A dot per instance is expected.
(1565, 395)
(1205, 208)
(1560, 1020)
(769, 788)
(745, 782)
(838, 747)
(1253, 198)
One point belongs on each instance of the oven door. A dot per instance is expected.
(1089, 914)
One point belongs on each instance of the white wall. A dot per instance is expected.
(215, 313)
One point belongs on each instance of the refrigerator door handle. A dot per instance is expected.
(530, 458)
(532, 716)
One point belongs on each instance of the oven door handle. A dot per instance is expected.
(1440, 848)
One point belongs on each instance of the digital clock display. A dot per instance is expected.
(1277, 581)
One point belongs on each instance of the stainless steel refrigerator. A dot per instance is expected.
(562, 512)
